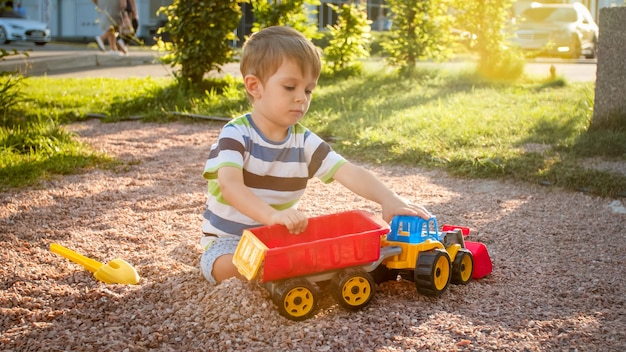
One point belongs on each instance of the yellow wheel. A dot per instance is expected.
(296, 299)
(432, 272)
(463, 267)
(353, 288)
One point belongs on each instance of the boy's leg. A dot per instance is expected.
(224, 269)
(216, 262)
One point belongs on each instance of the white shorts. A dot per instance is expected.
(215, 249)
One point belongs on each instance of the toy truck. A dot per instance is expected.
(349, 253)
(429, 258)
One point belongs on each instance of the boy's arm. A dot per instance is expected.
(238, 195)
(366, 185)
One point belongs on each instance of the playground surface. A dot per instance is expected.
(557, 282)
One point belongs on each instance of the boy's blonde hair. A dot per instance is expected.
(265, 50)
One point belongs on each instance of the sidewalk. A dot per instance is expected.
(70, 60)
(60, 58)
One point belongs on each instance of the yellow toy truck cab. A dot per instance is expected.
(429, 258)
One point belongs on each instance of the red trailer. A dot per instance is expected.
(329, 242)
(336, 247)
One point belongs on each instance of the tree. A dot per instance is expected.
(486, 20)
(350, 38)
(293, 13)
(200, 33)
(421, 30)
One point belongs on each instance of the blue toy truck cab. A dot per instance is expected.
(413, 229)
(430, 258)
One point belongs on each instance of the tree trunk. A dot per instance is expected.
(609, 110)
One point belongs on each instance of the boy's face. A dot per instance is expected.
(284, 99)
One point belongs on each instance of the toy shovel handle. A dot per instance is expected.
(88, 263)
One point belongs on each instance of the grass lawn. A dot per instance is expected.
(530, 130)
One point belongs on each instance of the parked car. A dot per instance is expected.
(15, 27)
(565, 30)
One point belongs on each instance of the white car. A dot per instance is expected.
(14, 27)
(566, 30)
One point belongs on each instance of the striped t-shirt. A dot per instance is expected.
(276, 172)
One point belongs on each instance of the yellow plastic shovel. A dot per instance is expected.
(117, 271)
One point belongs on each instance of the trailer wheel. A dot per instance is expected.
(462, 267)
(432, 272)
(353, 288)
(296, 299)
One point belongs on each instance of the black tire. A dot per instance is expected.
(3, 36)
(353, 288)
(594, 52)
(462, 267)
(40, 43)
(296, 299)
(432, 272)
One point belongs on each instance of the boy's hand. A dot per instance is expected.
(295, 221)
(403, 207)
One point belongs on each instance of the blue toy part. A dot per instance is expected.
(413, 229)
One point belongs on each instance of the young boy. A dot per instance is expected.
(259, 166)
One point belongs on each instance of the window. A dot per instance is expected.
(550, 14)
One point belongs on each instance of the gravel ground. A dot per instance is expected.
(558, 281)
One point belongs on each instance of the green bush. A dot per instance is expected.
(201, 32)
(421, 30)
(293, 13)
(349, 39)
